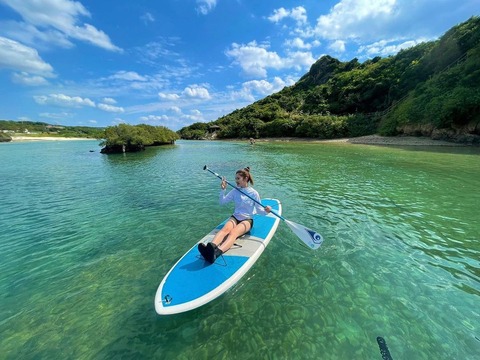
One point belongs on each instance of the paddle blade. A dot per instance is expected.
(311, 238)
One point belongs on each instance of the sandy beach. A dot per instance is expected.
(375, 140)
(365, 140)
(45, 138)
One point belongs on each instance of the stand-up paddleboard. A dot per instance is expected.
(193, 282)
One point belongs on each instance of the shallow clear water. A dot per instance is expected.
(86, 238)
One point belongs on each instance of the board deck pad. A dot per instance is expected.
(193, 282)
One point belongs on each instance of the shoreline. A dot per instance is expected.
(361, 140)
(373, 140)
(46, 138)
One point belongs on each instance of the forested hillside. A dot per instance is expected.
(432, 89)
(43, 129)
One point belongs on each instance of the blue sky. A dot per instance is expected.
(176, 62)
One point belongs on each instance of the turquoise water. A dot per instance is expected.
(86, 239)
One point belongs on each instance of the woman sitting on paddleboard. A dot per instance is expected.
(242, 219)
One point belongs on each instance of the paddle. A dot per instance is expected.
(311, 238)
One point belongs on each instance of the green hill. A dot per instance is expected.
(43, 129)
(432, 89)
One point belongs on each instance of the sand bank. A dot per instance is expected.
(45, 138)
(374, 140)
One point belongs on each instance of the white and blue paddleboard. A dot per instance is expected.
(193, 282)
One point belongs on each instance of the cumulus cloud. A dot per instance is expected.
(16, 56)
(255, 59)
(298, 43)
(205, 6)
(165, 96)
(196, 91)
(264, 87)
(63, 16)
(252, 89)
(299, 14)
(338, 46)
(355, 19)
(108, 100)
(63, 100)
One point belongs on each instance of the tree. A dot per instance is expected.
(127, 138)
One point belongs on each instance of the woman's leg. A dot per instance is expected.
(223, 232)
(240, 229)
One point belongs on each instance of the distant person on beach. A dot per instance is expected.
(252, 141)
(242, 219)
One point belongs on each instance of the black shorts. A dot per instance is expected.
(239, 221)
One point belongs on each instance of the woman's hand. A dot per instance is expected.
(268, 208)
(223, 185)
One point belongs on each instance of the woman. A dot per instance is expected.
(242, 219)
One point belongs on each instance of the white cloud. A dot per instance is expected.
(356, 19)
(252, 89)
(89, 33)
(299, 14)
(278, 15)
(264, 87)
(165, 96)
(110, 101)
(385, 48)
(205, 6)
(196, 91)
(297, 43)
(193, 118)
(128, 75)
(299, 60)
(56, 116)
(154, 118)
(147, 18)
(111, 108)
(155, 50)
(28, 34)
(64, 17)
(63, 100)
(255, 59)
(16, 56)
(338, 46)
(24, 78)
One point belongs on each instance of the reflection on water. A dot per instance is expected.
(86, 239)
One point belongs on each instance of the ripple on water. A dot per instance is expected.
(87, 239)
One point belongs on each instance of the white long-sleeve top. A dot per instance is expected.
(245, 207)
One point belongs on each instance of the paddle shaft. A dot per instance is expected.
(236, 187)
(310, 237)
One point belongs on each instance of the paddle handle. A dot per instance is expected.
(236, 187)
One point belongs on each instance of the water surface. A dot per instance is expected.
(86, 238)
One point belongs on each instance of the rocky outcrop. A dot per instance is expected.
(468, 134)
(119, 149)
(5, 138)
